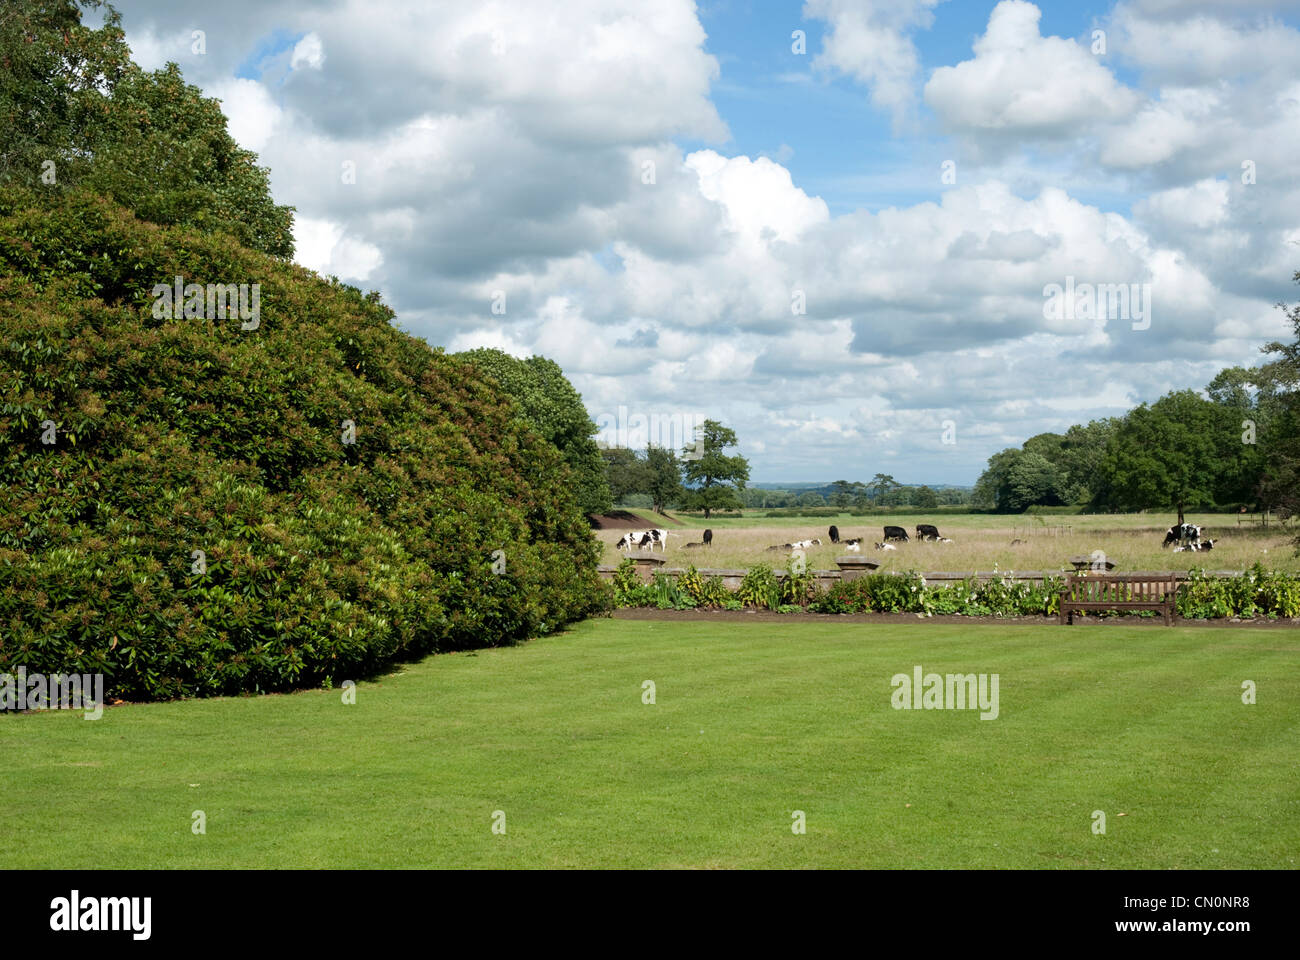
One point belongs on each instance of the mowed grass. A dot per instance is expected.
(1131, 541)
(752, 722)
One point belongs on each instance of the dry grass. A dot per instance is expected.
(981, 541)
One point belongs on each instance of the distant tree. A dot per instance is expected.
(663, 477)
(1279, 484)
(625, 472)
(843, 494)
(715, 479)
(549, 403)
(812, 499)
(925, 497)
(1031, 480)
(881, 484)
(1173, 453)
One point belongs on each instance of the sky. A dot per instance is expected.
(865, 234)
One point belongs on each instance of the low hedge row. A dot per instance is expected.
(1256, 593)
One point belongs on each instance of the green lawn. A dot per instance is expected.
(752, 722)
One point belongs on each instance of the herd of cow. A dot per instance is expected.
(641, 539)
(1186, 536)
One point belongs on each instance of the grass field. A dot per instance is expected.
(1132, 541)
(751, 722)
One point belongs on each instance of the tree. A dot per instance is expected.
(925, 497)
(843, 494)
(547, 402)
(1173, 453)
(663, 477)
(715, 480)
(625, 472)
(1279, 485)
(881, 484)
(75, 112)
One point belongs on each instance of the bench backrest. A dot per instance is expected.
(1120, 588)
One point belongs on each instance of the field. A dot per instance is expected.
(751, 722)
(1131, 541)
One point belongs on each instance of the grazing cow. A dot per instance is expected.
(834, 533)
(642, 539)
(895, 533)
(1188, 532)
(926, 531)
(886, 546)
(708, 537)
(1197, 546)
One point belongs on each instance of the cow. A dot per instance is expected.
(852, 546)
(943, 540)
(1196, 546)
(708, 537)
(855, 542)
(834, 533)
(926, 531)
(886, 546)
(642, 539)
(781, 546)
(895, 533)
(1182, 534)
(805, 544)
(1016, 543)
(692, 546)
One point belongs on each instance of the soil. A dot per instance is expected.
(623, 520)
(767, 616)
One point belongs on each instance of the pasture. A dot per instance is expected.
(981, 541)
(751, 722)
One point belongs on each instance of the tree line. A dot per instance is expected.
(1236, 446)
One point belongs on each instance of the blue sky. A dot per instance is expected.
(502, 149)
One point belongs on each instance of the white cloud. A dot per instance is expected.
(1021, 83)
(308, 52)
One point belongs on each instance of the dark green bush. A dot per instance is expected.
(324, 559)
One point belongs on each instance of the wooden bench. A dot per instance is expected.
(1119, 592)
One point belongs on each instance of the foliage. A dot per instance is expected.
(322, 558)
(550, 405)
(714, 480)
(663, 474)
(76, 113)
(760, 588)
(1258, 592)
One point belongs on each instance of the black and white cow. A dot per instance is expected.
(926, 531)
(805, 544)
(1187, 533)
(853, 545)
(886, 546)
(1197, 546)
(641, 539)
(895, 533)
(834, 533)
(708, 537)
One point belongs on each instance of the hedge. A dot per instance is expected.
(320, 559)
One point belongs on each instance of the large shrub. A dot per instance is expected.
(324, 559)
